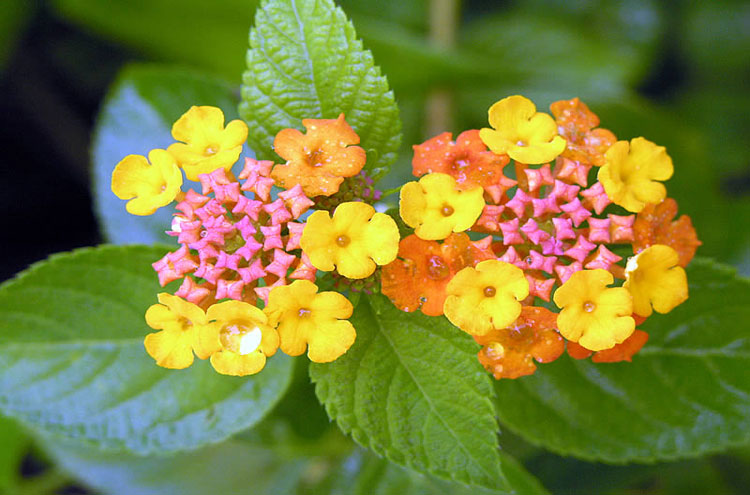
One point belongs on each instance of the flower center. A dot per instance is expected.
(210, 150)
(303, 312)
(495, 350)
(521, 143)
(489, 291)
(589, 307)
(316, 158)
(436, 268)
(239, 338)
(447, 210)
(342, 241)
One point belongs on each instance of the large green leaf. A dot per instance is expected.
(215, 31)
(685, 394)
(305, 61)
(410, 388)
(136, 117)
(72, 360)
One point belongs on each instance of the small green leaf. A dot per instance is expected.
(686, 393)
(305, 62)
(136, 117)
(411, 388)
(72, 360)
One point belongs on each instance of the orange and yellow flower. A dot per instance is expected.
(354, 241)
(420, 275)
(147, 186)
(577, 124)
(306, 319)
(655, 279)
(510, 352)
(435, 206)
(655, 224)
(245, 336)
(319, 160)
(206, 144)
(184, 330)
(486, 297)
(593, 315)
(467, 159)
(631, 171)
(521, 132)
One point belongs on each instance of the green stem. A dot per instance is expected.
(443, 24)
(388, 192)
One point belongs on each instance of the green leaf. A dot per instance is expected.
(136, 117)
(305, 61)
(159, 28)
(14, 443)
(411, 388)
(686, 393)
(72, 360)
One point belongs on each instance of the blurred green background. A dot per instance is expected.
(675, 72)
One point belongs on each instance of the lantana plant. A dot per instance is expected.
(535, 271)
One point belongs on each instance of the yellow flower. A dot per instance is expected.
(206, 145)
(245, 336)
(521, 132)
(486, 297)
(354, 240)
(654, 277)
(435, 207)
(594, 316)
(309, 320)
(184, 329)
(150, 186)
(630, 172)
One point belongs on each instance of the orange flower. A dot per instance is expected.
(576, 123)
(510, 352)
(417, 279)
(466, 159)
(655, 225)
(320, 159)
(623, 351)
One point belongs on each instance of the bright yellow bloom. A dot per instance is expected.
(521, 132)
(435, 207)
(631, 170)
(184, 330)
(654, 277)
(310, 320)
(594, 316)
(487, 297)
(150, 186)
(354, 240)
(245, 336)
(206, 145)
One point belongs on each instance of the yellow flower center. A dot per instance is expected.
(210, 150)
(303, 313)
(342, 241)
(239, 338)
(495, 350)
(489, 291)
(589, 307)
(447, 210)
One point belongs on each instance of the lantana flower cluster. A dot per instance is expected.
(250, 248)
(541, 233)
(536, 235)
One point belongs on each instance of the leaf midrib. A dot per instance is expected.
(426, 396)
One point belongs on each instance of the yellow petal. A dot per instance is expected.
(170, 348)
(192, 125)
(654, 278)
(230, 363)
(412, 204)
(332, 339)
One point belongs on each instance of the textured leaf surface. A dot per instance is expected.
(305, 61)
(137, 117)
(685, 394)
(411, 388)
(72, 360)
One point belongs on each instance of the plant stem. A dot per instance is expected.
(443, 23)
